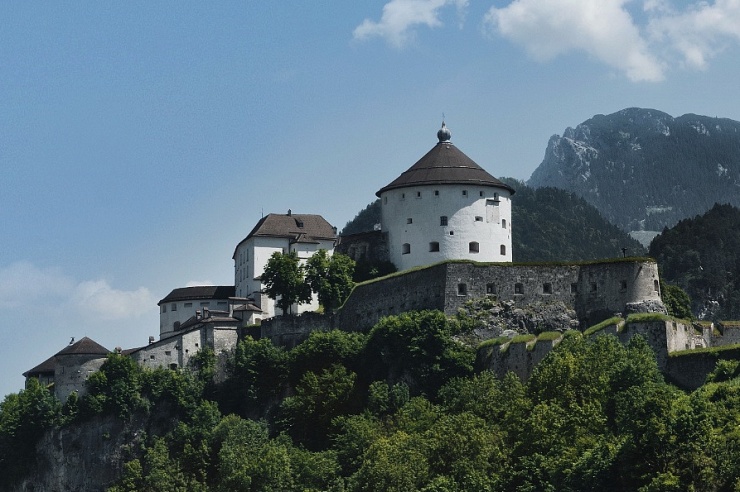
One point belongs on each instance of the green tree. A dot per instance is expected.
(330, 277)
(284, 281)
(676, 301)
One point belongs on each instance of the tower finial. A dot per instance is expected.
(444, 134)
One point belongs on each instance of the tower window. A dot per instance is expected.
(594, 287)
(443, 220)
(503, 249)
(164, 308)
(490, 288)
(409, 220)
(623, 285)
(385, 200)
(656, 286)
(480, 193)
(403, 196)
(574, 288)
(418, 194)
(406, 248)
(547, 288)
(436, 192)
(473, 247)
(433, 246)
(465, 192)
(503, 223)
(462, 289)
(452, 233)
(518, 288)
(173, 307)
(478, 218)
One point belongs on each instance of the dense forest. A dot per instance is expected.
(701, 256)
(402, 408)
(548, 224)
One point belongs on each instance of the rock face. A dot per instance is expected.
(645, 170)
(84, 458)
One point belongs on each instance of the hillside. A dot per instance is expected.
(643, 169)
(548, 224)
(399, 408)
(701, 256)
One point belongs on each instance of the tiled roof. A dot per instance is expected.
(444, 164)
(302, 228)
(44, 368)
(84, 346)
(199, 292)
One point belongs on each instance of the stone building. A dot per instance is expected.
(67, 370)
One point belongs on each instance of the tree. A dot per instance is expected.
(330, 277)
(284, 281)
(676, 300)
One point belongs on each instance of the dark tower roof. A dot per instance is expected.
(444, 164)
(85, 346)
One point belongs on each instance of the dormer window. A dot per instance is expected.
(299, 223)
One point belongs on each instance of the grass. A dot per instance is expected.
(733, 350)
(645, 317)
(548, 336)
(616, 320)
(523, 338)
(492, 342)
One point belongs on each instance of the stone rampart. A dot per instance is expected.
(596, 291)
(290, 330)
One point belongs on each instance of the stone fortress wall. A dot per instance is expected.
(596, 291)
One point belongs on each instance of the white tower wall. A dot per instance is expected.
(412, 217)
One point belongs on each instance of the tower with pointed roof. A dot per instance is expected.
(446, 207)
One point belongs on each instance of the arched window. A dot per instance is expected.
(503, 249)
(434, 246)
(406, 248)
(473, 247)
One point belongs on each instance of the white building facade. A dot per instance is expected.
(183, 303)
(303, 233)
(446, 207)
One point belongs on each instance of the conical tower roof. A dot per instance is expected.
(444, 164)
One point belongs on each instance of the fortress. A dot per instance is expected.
(445, 224)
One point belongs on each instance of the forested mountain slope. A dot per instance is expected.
(643, 169)
(702, 256)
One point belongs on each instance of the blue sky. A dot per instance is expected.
(141, 141)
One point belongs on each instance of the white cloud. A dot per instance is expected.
(700, 32)
(97, 299)
(603, 29)
(401, 16)
(25, 287)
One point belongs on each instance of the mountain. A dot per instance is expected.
(644, 169)
(701, 256)
(548, 224)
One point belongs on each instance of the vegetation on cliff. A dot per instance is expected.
(402, 408)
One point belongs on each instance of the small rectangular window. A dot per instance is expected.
(164, 308)
(465, 192)
(436, 192)
(462, 289)
(188, 305)
(478, 218)
(547, 288)
(206, 303)
(574, 288)
(594, 287)
(518, 289)
(623, 285)
(167, 352)
(480, 193)
(403, 196)
(490, 288)
(418, 194)
(433, 247)
(173, 307)
(443, 220)
(409, 220)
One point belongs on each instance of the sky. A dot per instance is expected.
(141, 141)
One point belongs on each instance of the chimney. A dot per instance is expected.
(206, 313)
(151, 339)
(289, 213)
(197, 314)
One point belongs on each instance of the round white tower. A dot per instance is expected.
(446, 207)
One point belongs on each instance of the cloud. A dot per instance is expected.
(603, 29)
(700, 32)
(401, 16)
(26, 287)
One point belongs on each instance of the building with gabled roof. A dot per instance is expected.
(67, 370)
(304, 234)
(182, 304)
